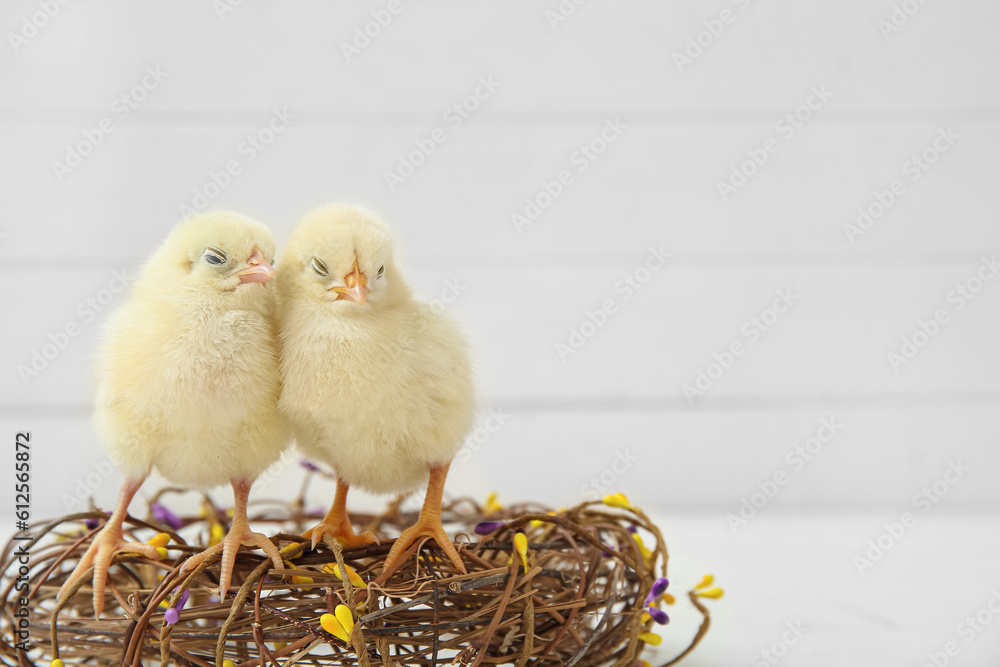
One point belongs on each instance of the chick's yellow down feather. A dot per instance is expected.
(188, 379)
(188, 369)
(374, 382)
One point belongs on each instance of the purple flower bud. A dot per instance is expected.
(487, 527)
(91, 524)
(658, 615)
(165, 516)
(171, 616)
(659, 588)
(631, 529)
(184, 598)
(309, 465)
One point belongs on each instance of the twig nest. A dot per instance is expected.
(578, 587)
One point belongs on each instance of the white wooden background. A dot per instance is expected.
(522, 292)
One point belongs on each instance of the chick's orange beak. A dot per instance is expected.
(357, 286)
(258, 270)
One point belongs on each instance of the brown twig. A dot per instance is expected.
(579, 601)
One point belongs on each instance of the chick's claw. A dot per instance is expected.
(102, 550)
(239, 535)
(429, 526)
(340, 531)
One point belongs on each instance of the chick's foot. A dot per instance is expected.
(239, 534)
(337, 525)
(429, 525)
(339, 529)
(102, 550)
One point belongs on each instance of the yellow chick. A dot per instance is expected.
(189, 382)
(374, 383)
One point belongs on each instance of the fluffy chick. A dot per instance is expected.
(188, 380)
(374, 383)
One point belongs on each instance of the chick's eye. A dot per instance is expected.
(319, 267)
(214, 256)
(381, 270)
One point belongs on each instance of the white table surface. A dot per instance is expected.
(786, 567)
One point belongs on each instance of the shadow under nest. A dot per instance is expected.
(579, 600)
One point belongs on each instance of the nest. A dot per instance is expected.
(578, 601)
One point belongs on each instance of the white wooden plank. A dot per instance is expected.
(711, 462)
(604, 57)
(652, 185)
(833, 341)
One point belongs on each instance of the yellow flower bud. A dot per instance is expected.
(353, 576)
(492, 505)
(289, 548)
(333, 626)
(617, 500)
(343, 614)
(521, 544)
(714, 593)
(297, 579)
(216, 534)
(161, 553)
(159, 540)
(668, 598)
(650, 638)
(647, 555)
(705, 582)
(56, 663)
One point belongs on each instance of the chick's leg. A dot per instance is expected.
(239, 534)
(337, 525)
(428, 524)
(106, 544)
